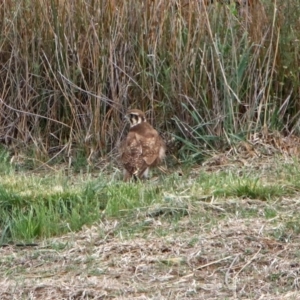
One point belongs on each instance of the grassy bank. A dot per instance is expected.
(215, 232)
(39, 205)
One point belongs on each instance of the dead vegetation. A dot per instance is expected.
(235, 258)
(192, 246)
(69, 71)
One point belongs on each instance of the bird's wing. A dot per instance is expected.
(151, 145)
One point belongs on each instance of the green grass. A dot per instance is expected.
(33, 206)
(123, 197)
(41, 205)
(251, 188)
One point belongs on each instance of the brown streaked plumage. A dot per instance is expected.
(142, 148)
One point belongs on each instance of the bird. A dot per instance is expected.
(142, 148)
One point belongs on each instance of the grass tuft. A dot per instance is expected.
(34, 208)
(124, 198)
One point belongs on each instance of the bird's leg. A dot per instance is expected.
(143, 173)
(126, 175)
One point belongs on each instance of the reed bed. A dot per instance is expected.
(204, 72)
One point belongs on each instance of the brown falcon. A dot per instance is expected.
(142, 148)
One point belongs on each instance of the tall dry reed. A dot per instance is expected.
(70, 69)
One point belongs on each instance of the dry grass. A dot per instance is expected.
(190, 245)
(69, 71)
(227, 256)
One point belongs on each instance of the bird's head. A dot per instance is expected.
(135, 117)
